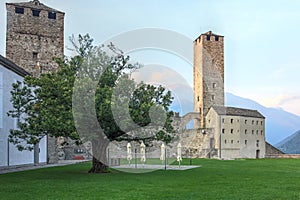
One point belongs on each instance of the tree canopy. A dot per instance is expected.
(90, 97)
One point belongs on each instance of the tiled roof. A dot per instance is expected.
(232, 111)
(34, 4)
(12, 66)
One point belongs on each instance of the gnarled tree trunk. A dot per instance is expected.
(100, 163)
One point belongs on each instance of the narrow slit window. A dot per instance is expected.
(34, 55)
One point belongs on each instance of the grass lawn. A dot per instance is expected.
(215, 179)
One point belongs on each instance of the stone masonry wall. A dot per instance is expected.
(208, 73)
(31, 39)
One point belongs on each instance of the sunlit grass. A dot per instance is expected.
(215, 179)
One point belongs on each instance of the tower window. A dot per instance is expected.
(214, 85)
(231, 141)
(212, 97)
(35, 12)
(216, 38)
(223, 130)
(19, 10)
(198, 99)
(245, 131)
(257, 143)
(246, 142)
(208, 37)
(51, 15)
(231, 121)
(34, 55)
(231, 131)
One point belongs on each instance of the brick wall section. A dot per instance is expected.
(28, 35)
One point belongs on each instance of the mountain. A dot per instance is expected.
(291, 144)
(279, 123)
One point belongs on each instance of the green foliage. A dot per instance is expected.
(81, 96)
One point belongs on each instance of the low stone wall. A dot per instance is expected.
(283, 156)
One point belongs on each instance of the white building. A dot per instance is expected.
(9, 154)
(238, 133)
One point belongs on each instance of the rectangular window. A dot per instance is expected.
(252, 132)
(257, 143)
(252, 122)
(245, 121)
(231, 120)
(198, 99)
(19, 10)
(212, 97)
(231, 131)
(34, 55)
(208, 37)
(245, 131)
(261, 132)
(223, 120)
(35, 13)
(51, 15)
(216, 38)
(231, 141)
(261, 123)
(223, 130)
(214, 85)
(246, 142)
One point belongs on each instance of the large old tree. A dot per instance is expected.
(90, 98)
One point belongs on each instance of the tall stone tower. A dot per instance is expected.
(208, 74)
(35, 34)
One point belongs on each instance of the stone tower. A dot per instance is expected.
(208, 74)
(35, 35)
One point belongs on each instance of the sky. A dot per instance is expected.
(262, 40)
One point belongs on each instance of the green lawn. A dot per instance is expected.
(236, 179)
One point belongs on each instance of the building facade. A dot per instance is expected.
(238, 133)
(9, 154)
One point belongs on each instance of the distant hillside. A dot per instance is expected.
(290, 145)
(279, 123)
